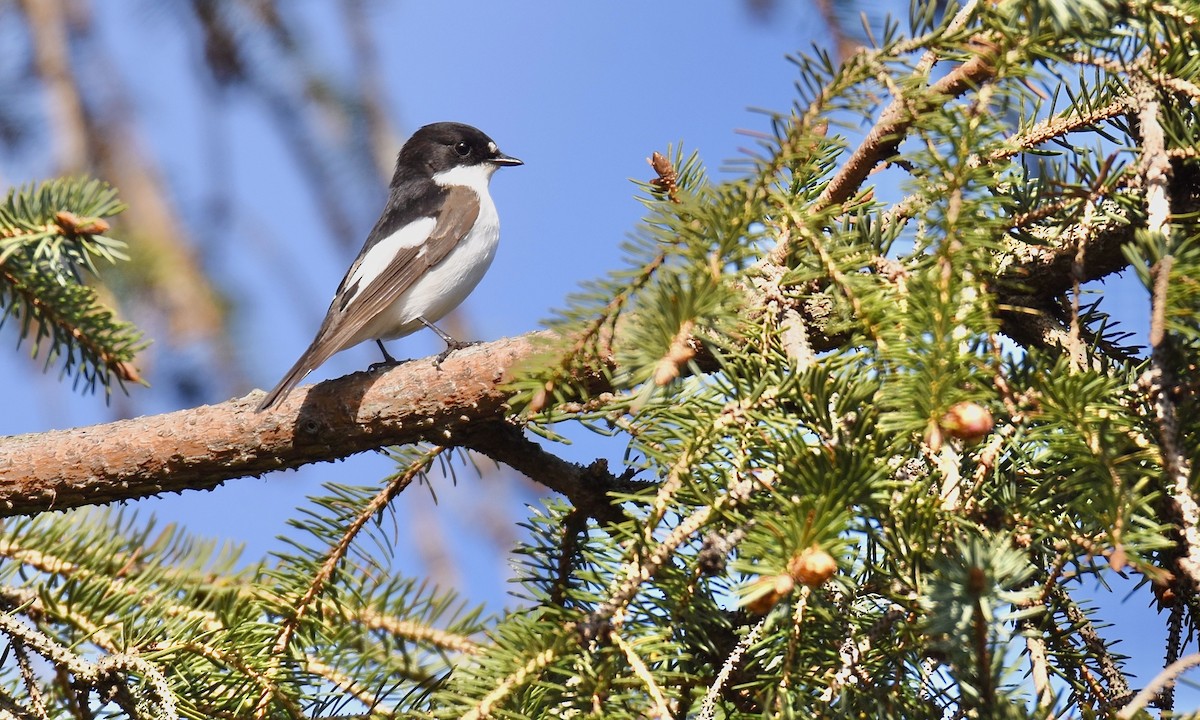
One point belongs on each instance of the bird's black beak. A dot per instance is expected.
(501, 159)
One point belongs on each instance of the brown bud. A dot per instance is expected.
(72, 224)
(777, 587)
(933, 437)
(812, 567)
(1163, 587)
(127, 371)
(678, 354)
(667, 180)
(540, 398)
(1166, 596)
(661, 164)
(968, 421)
(1117, 559)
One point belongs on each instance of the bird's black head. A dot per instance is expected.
(443, 146)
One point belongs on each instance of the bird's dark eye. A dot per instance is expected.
(462, 149)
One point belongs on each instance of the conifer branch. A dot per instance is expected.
(49, 235)
(202, 447)
(1118, 688)
(661, 709)
(643, 567)
(531, 668)
(887, 134)
(414, 631)
(348, 685)
(108, 676)
(709, 704)
(1155, 171)
(333, 559)
(1163, 680)
(220, 658)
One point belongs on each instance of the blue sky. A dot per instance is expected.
(582, 92)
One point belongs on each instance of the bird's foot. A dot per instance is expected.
(452, 346)
(384, 364)
(387, 361)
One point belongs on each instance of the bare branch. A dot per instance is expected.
(1162, 680)
(587, 487)
(202, 447)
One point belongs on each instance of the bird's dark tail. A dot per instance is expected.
(317, 353)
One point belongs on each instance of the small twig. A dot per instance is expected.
(1166, 700)
(130, 664)
(410, 630)
(1163, 679)
(589, 488)
(36, 704)
(885, 137)
(1039, 666)
(535, 665)
(662, 710)
(1055, 127)
(347, 684)
(852, 652)
(1117, 686)
(1085, 224)
(708, 706)
(108, 675)
(640, 569)
(574, 525)
(800, 606)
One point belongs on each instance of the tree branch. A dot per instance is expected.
(885, 137)
(587, 487)
(202, 447)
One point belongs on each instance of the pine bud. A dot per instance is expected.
(1163, 587)
(1117, 558)
(127, 371)
(667, 180)
(778, 587)
(812, 567)
(72, 224)
(678, 354)
(540, 398)
(968, 421)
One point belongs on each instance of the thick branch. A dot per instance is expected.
(202, 447)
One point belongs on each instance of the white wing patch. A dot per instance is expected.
(381, 253)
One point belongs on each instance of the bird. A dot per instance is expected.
(429, 249)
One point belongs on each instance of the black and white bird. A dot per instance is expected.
(430, 248)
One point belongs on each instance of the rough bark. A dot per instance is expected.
(201, 447)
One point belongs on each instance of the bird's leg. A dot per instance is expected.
(451, 343)
(388, 360)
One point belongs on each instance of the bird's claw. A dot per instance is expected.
(451, 347)
(384, 364)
